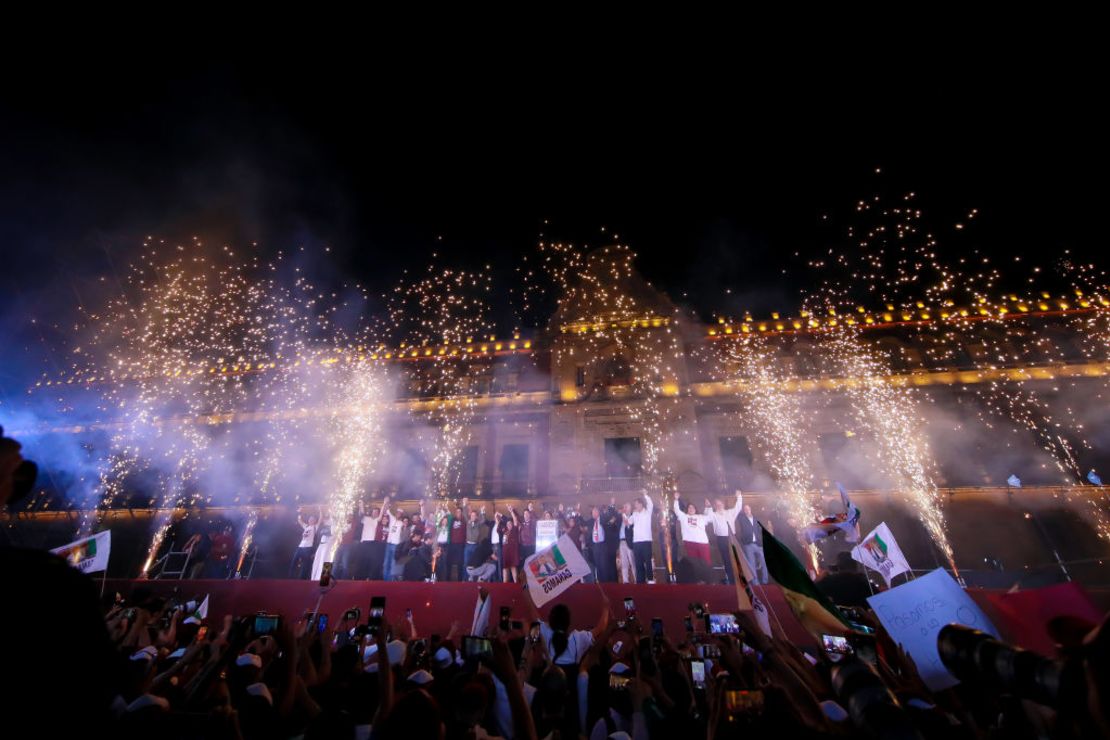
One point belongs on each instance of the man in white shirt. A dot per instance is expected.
(724, 525)
(372, 546)
(398, 531)
(640, 521)
(695, 536)
(302, 559)
(627, 561)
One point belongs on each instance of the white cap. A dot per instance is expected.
(421, 677)
(261, 689)
(148, 653)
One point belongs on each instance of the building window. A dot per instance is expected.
(514, 470)
(623, 458)
(580, 376)
(736, 461)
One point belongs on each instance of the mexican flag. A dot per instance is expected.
(197, 612)
(746, 597)
(814, 610)
(89, 555)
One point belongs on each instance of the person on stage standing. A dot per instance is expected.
(324, 548)
(346, 554)
(611, 526)
(640, 521)
(724, 525)
(396, 534)
(752, 544)
(496, 542)
(372, 547)
(627, 560)
(695, 530)
(474, 535)
(302, 558)
(527, 526)
(510, 537)
(456, 545)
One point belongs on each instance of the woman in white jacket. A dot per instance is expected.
(695, 534)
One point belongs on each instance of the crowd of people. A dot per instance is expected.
(144, 665)
(480, 543)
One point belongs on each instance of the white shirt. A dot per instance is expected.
(578, 642)
(370, 527)
(494, 535)
(693, 526)
(641, 522)
(308, 536)
(396, 530)
(724, 522)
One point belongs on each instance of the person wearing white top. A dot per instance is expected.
(724, 525)
(694, 535)
(371, 548)
(627, 561)
(325, 549)
(567, 647)
(301, 563)
(398, 527)
(640, 521)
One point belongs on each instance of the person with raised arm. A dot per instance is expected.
(301, 564)
(724, 526)
(695, 530)
(510, 547)
(372, 547)
(640, 521)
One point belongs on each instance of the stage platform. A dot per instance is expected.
(436, 605)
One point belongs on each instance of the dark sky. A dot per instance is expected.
(715, 175)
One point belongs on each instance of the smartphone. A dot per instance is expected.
(699, 610)
(309, 616)
(688, 623)
(617, 647)
(618, 682)
(266, 624)
(697, 672)
(710, 651)
(503, 623)
(836, 647)
(325, 575)
(377, 611)
(352, 615)
(408, 614)
(321, 623)
(629, 607)
(418, 647)
(722, 624)
(656, 628)
(477, 647)
(743, 702)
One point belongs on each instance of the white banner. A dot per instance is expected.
(89, 555)
(880, 552)
(547, 531)
(554, 569)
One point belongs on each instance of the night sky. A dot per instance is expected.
(715, 178)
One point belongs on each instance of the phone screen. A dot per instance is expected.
(266, 624)
(723, 624)
(629, 606)
(836, 647)
(322, 623)
(656, 627)
(697, 672)
(377, 611)
(325, 574)
(476, 647)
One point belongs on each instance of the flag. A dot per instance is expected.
(1093, 478)
(554, 569)
(1013, 481)
(197, 613)
(814, 610)
(850, 525)
(480, 623)
(89, 555)
(880, 552)
(746, 597)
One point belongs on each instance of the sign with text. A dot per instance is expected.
(547, 531)
(914, 614)
(89, 555)
(553, 570)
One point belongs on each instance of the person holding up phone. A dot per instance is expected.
(566, 647)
